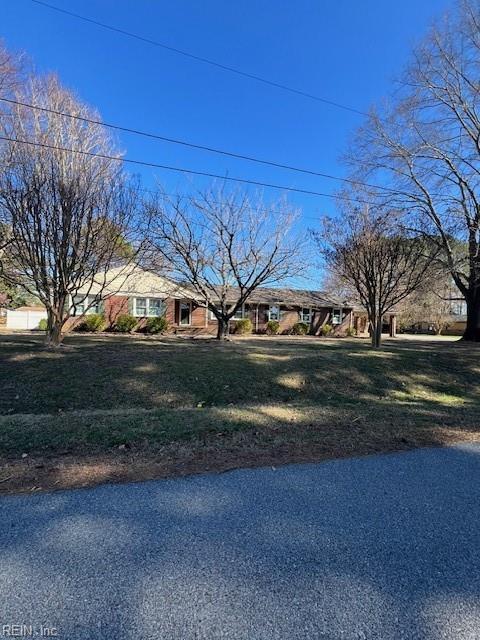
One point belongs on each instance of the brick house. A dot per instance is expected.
(138, 292)
(289, 306)
(144, 294)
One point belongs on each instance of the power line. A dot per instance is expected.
(192, 145)
(183, 196)
(182, 170)
(212, 63)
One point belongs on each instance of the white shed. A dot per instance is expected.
(25, 317)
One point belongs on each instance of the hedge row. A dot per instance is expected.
(124, 323)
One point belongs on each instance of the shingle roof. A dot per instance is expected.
(293, 297)
(30, 307)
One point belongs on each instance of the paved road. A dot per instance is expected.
(383, 547)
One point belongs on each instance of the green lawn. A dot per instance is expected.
(292, 398)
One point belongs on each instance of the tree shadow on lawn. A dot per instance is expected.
(110, 373)
(376, 547)
(335, 396)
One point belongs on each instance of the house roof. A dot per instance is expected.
(289, 297)
(31, 307)
(131, 280)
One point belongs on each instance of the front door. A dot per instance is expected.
(185, 314)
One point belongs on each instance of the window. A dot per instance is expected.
(239, 313)
(337, 316)
(148, 307)
(83, 304)
(155, 307)
(459, 308)
(274, 313)
(140, 307)
(185, 313)
(306, 315)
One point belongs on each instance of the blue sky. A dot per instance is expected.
(346, 51)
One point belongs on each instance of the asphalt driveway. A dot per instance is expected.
(381, 547)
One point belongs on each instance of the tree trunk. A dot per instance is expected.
(223, 329)
(54, 330)
(472, 330)
(376, 333)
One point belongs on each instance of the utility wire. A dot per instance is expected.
(183, 196)
(192, 145)
(212, 63)
(182, 170)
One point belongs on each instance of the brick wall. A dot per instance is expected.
(198, 318)
(200, 322)
(170, 311)
(115, 306)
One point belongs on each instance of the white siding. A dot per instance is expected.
(24, 319)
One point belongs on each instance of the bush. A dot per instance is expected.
(300, 329)
(125, 323)
(326, 330)
(243, 326)
(273, 327)
(350, 332)
(92, 323)
(43, 324)
(156, 325)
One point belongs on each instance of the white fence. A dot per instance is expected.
(17, 319)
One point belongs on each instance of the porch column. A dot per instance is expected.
(393, 326)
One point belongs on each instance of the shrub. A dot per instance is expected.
(300, 329)
(326, 330)
(92, 323)
(243, 326)
(350, 332)
(156, 325)
(273, 327)
(43, 324)
(125, 323)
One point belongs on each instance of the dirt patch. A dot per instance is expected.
(38, 474)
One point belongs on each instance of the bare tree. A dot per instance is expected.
(426, 148)
(69, 212)
(225, 248)
(368, 252)
(428, 305)
(13, 69)
(12, 72)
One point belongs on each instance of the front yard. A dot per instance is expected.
(131, 408)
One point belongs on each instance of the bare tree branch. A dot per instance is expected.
(69, 215)
(366, 249)
(427, 148)
(225, 248)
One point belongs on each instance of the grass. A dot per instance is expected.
(114, 407)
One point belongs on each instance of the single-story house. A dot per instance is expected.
(145, 294)
(140, 293)
(289, 306)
